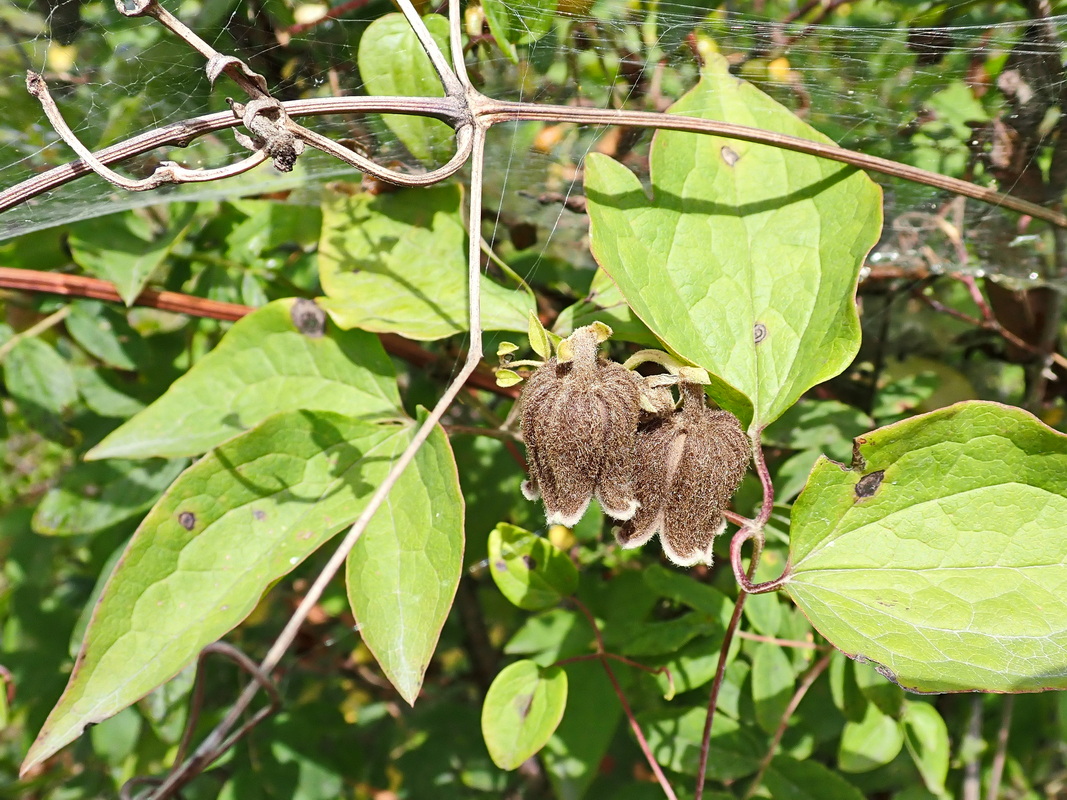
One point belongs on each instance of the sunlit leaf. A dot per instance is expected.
(758, 246)
(398, 263)
(403, 572)
(529, 570)
(232, 524)
(870, 743)
(940, 555)
(284, 356)
(392, 62)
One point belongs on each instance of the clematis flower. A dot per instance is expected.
(688, 464)
(579, 423)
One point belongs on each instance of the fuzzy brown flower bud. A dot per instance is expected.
(688, 464)
(579, 423)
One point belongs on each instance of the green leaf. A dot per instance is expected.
(875, 687)
(573, 754)
(96, 496)
(403, 572)
(392, 62)
(539, 341)
(926, 737)
(675, 736)
(522, 709)
(870, 743)
(761, 246)
(397, 263)
(826, 425)
(844, 690)
(284, 356)
(772, 685)
(605, 304)
(529, 570)
(788, 779)
(684, 589)
(232, 524)
(941, 554)
(41, 383)
(105, 333)
(127, 248)
(514, 23)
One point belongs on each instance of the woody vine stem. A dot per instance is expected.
(273, 134)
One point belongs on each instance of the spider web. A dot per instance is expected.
(927, 90)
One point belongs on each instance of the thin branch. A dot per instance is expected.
(996, 774)
(80, 286)
(623, 660)
(990, 323)
(806, 682)
(756, 637)
(642, 742)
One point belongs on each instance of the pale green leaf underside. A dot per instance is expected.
(233, 523)
(392, 62)
(949, 569)
(739, 235)
(262, 366)
(397, 263)
(403, 572)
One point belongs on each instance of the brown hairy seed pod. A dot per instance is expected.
(579, 423)
(688, 465)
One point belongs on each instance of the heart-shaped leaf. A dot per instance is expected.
(941, 555)
(746, 258)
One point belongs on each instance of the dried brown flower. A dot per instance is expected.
(579, 423)
(688, 464)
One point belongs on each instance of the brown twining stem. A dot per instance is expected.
(806, 682)
(81, 286)
(603, 655)
(989, 323)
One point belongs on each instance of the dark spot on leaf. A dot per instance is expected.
(869, 484)
(759, 332)
(523, 703)
(308, 318)
(529, 562)
(729, 155)
(187, 519)
(501, 566)
(260, 515)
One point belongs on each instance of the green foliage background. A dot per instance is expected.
(71, 497)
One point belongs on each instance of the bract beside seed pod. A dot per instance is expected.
(687, 466)
(579, 423)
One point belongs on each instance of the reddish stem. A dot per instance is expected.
(810, 677)
(80, 286)
(641, 741)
